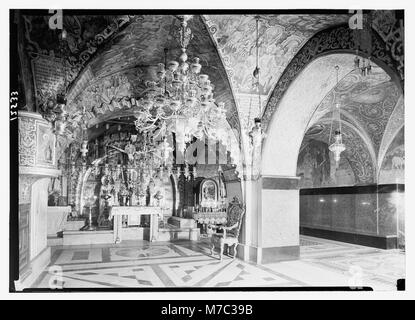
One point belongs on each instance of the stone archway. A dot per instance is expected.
(305, 82)
(289, 123)
(277, 195)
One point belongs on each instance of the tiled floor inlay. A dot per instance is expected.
(189, 264)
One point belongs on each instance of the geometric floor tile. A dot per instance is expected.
(141, 253)
(70, 256)
(189, 264)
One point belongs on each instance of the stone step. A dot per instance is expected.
(182, 222)
(87, 237)
(74, 225)
(172, 233)
(53, 241)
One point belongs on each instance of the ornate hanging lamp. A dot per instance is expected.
(84, 145)
(256, 134)
(337, 147)
(181, 98)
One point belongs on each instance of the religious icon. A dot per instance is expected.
(46, 146)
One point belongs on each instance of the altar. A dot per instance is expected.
(133, 214)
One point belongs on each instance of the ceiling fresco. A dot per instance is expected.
(108, 53)
(112, 57)
(395, 123)
(280, 38)
(368, 103)
(122, 70)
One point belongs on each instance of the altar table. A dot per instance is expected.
(117, 212)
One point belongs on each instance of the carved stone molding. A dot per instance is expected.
(25, 184)
(37, 143)
(27, 141)
(337, 39)
(36, 152)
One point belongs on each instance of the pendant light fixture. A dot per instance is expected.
(256, 135)
(337, 147)
(84, 146)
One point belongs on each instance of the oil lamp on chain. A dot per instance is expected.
(338, 146)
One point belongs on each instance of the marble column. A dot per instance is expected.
(280, 226)
(271, 227)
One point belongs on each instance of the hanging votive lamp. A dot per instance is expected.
(337, 147)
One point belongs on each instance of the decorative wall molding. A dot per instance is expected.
(27, 141)
(391, 29)
(25, 187)
(36, 152)
(37, 143)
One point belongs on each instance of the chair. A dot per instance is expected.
(231, 230)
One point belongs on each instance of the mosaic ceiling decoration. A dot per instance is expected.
(111, 58)
(281, 36)
(395, 123)
(368, 103)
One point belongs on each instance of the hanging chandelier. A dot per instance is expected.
(181, 99)
(337, 147)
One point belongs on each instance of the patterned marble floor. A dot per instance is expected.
(189, 264)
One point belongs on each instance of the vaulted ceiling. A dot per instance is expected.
(105, 50)
(367, 104)
(280, 38)
(135, 52)
(112, 56)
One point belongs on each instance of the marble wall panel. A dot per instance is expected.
(367, 210)
(366, 216)
(343, 213)
(388, 212)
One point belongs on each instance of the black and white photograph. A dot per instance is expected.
(206, 149)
